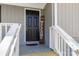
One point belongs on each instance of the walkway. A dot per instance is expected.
(38, 50)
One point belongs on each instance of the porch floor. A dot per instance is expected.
(39, 50)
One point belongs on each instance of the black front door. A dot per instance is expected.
(32, 25)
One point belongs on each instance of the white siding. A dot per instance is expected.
(68, 18)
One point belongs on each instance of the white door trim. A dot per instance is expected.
(32, 42)
(25, 20)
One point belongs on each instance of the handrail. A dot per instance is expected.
(16, 41)
(62, 35)
(71, 41)
(9, 39)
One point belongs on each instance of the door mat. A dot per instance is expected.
(32, 44)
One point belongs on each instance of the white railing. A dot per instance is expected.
(9, 42)
(63, 43)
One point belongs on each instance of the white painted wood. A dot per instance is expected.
(68, 38)
(66, 41)
(55, 7)
(11, 40)
(59, 40)
(18, 33)
(13, 47)
(5, 44)
(52, 36)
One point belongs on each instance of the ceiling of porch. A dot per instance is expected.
(32, 5)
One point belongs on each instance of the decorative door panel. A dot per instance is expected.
(32, 25)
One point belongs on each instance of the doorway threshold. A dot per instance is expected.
(32, 42)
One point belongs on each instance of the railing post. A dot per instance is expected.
(55, 21)
(55, 8)
(17, 46)
(52, 41)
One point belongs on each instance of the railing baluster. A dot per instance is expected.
(59, 42)
(6, 29)
(56, 40)
(61, 45)
(66, 49)
(63, 48)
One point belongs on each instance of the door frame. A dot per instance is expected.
(34, 9)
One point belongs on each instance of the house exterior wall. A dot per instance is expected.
(48, 12)
(13, 14)
(68, 18)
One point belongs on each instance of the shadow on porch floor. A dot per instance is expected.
(39, 50)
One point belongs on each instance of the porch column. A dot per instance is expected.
(55, 24)
(55, 14)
